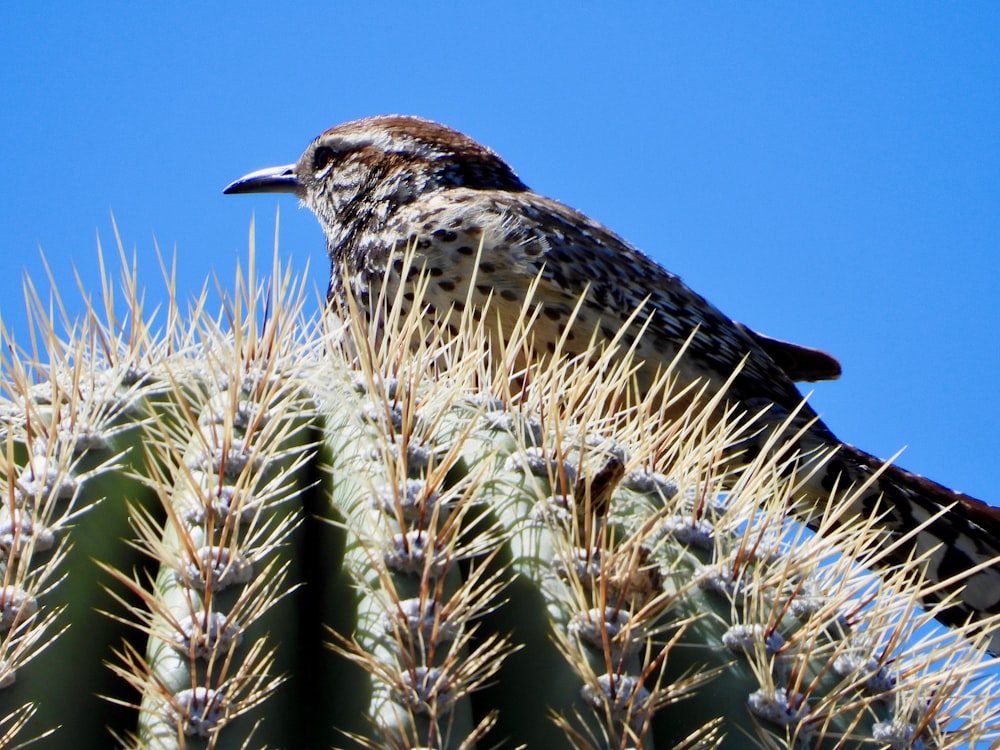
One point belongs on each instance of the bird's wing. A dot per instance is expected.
(799, 362)
(574, 253)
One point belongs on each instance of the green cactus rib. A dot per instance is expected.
(367, 530)
(65, 487)
(225, 550)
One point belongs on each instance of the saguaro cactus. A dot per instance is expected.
(258, 529)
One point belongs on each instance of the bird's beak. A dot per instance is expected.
(270, 180)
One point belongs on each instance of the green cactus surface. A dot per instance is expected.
(248, 527)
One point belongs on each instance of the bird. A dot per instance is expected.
(382, 183)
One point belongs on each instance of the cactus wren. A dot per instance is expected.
(379, 183)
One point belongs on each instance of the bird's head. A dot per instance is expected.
(356, 175)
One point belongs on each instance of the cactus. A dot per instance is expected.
(259, 529)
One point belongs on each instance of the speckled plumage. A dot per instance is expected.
(378, 183)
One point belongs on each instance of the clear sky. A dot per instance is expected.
(827, 173)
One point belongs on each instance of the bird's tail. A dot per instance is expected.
(959, 534)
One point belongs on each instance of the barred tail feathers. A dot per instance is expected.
(960, 533)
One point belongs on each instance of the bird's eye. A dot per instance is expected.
(322, 158)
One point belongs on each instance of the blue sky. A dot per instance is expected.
(826, 173)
